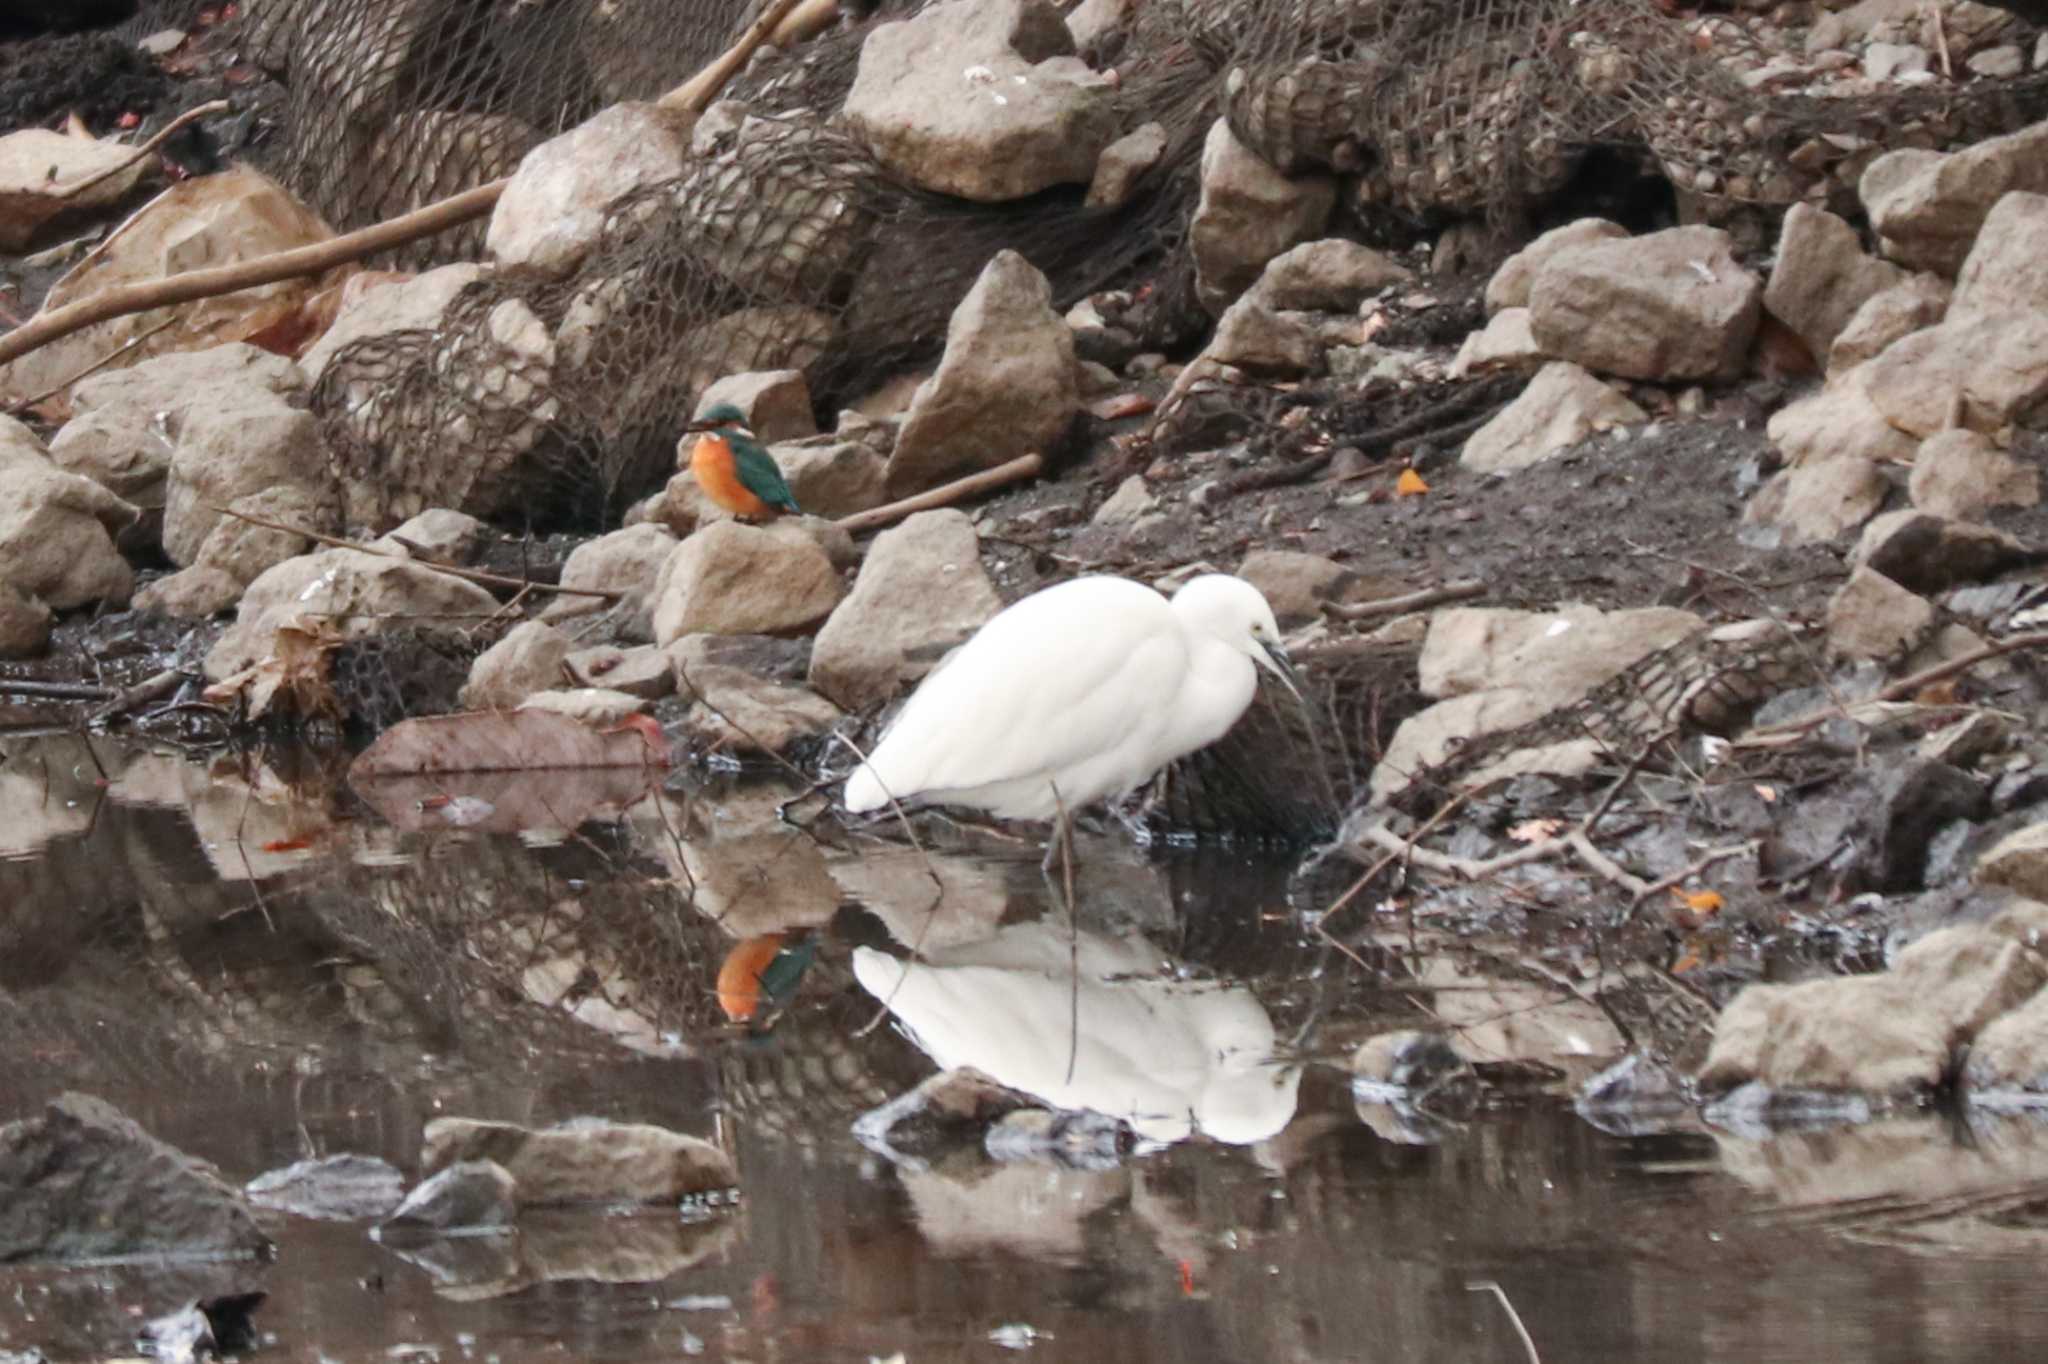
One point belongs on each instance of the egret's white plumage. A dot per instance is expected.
(1089, 687)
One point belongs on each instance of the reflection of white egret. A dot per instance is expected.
(1077, 692)
(1169, 1057)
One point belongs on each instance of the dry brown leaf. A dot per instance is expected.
(1122, 405)
(292, 680)
(1536, 830)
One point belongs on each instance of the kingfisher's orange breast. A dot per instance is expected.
(718, 475)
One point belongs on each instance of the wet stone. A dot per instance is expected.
(471, 1196)
(343, 1188)
(585, 1160)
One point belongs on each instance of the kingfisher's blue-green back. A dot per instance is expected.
(757, 471)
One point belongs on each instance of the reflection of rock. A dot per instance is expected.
(584, 1161)
(344, 1188)
(896, 885)
(567, 1246)
(1171, 1058)
(1024, 1211)
(1494, 1021)
(80, 1181)
(468, 1198)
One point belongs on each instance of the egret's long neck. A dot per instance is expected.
(1219, 685)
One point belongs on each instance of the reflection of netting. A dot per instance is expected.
(784, 246)
(1453, 107)
(382, 679)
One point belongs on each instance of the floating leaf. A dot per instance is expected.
(1410, 484)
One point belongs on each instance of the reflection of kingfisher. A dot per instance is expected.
(760, 975)
(733, 470)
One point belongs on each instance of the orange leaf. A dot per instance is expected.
(1690, 961)
(1410, 484)
(278, 845)
(1699, 901)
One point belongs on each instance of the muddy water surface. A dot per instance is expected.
(260, 964)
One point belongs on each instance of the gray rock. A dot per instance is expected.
(833, 478)
(1254, 337)
(1131, 500)
(642, 671)
(1889, 61)
(80, 1181)
(1123, 164)
(449, 537)
(1870, 616)
(1331, 275)
(1961, 475)
(1294, 584)
(1927, 206)
(24, 623)
(356, 595)
(400, 305)
(629, 562)
(246, 442)
(1821, 500)
(1915, 800)
(528, 659)
(57, 529)
(1505, 343)
(777, 403)
(1005, 386)
(33, 161)
(1892, 1034)
(921, 591)
(586, 1160)
(1509, 287)
(1927, 553)
(730, 579)
(1899, 311)
(243, 548)
(1562, 406)
(983, 99)
(473, 1197)
(1822, 276)
(343, 1188)
(1248, 214)
(1999, 62)
(195, 593)
(735, 710)
(2007, 269)
(1671, 305)
(553, 211)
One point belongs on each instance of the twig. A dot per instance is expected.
(1407, 846)
(56, 691)
(475, 575)
(1948, 70)
(1407, 601)
(218, 106)
(109, 358)
(227, 279)
(1489, 1286)
(695, 94)
(1680, 877)
(142, 693)
(1904, 687)
(945, 495)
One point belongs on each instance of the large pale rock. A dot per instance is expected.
(39, 170)
(641, 671)
(449, 537)
(1506, 342)
(204, 222)
(1509, 287)
(24, 623)
(736, 710)
(1558, 656)
(1822, 276)
(194, 593)
(1254, 337)
(1837, 422)
(983, 99)
(356, 595)
(242, 549)
(1248, 214)
(1671, 305)
(834, 478)
(629, 562)
(730, 579)
(418, 302)
(583, 1161)
(1872, 617)
(1332, 275)
(243, 442)
(528, 659)
(2007, 268)
(1928, 206)
(125, 423)
(1562, 406)
(776, 403)
(1006, 384)
(1929, 553)
(1820, 500)
(1123, 164)
(1961, 475)
(553, 211)
(1899, 311)
(1893, 1034)
(57, 529)
(921, 591)
(1983, 371)
(79, 1181)
(1294, 584)
(2017, 862)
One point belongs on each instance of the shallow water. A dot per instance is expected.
(257, 965)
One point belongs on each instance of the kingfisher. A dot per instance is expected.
(760, 975)
(733, 470)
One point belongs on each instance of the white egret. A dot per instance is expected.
(1078, 692)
